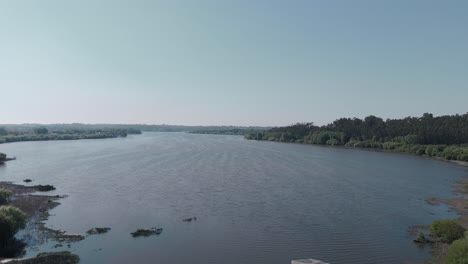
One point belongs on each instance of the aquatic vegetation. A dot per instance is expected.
(422, 239)
(44, 188)
(147, 232)
(98, 230)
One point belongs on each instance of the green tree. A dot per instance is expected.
(458, 252)
(12, 219)
(41, 130)
(447, 230)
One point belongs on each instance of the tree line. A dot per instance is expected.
(42, 133)
(443, 136)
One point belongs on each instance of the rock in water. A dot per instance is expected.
(98, 230)
(147, 232)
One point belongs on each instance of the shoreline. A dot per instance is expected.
(459, 205)
(37, 208)
(458, 162)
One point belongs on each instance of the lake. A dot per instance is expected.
(255, 201)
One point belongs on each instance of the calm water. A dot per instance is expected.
(256, 202)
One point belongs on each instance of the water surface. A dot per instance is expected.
(256, 202)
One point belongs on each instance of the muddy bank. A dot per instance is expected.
(458, 204)
(64, 257)
(37, 207)
(31, 204)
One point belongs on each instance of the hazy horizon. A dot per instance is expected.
(210, 125)
(242, 63)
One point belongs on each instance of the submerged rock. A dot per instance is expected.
(147, 232)
(422, 239)
(61, 235)
(44, 188)
(98, 230)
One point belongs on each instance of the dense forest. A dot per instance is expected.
(443, 136)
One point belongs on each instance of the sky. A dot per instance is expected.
(242, 62)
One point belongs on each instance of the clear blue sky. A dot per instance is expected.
(242, 62)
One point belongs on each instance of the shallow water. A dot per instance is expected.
(256, 202)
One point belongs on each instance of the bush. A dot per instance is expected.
(420, 150)
(458, 252)
(5, 196)
(391, 145)
(333, 142)
(447, 230)
(462, 157)
(12, 219)
(351, 143)
(434, 150)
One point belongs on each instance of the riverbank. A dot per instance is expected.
(37, 207)
(461, 163)
(69, 135)
(394, 151)
(458, 204)
(439, 250)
